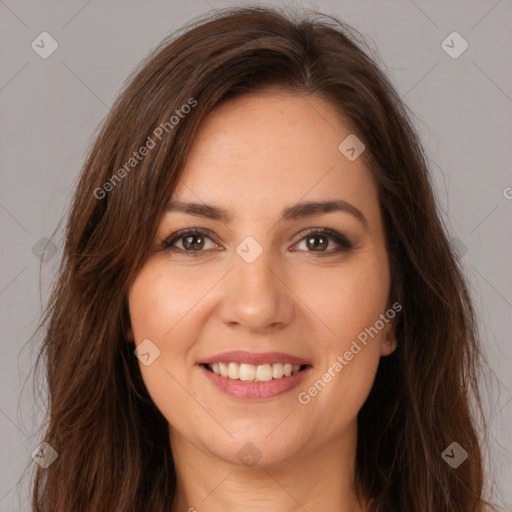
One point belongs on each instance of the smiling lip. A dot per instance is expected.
(255, 390)
(255, 358)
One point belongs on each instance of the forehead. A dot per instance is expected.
(269, 149)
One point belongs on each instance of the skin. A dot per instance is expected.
(254, 156)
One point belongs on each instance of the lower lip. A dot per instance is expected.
(255, 390)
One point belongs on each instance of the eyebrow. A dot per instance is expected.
(295, 212)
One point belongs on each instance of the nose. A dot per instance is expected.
(257, 296)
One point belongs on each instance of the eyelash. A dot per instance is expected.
(345, 244)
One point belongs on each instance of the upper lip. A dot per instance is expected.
(254, 358)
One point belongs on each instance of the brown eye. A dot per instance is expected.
(317, 240)
(192, 242)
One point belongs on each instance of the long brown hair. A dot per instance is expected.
(112, 442)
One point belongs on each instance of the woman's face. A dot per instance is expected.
(258, 284)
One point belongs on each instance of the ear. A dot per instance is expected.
(388, 338)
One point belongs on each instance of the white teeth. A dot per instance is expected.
(223, 368)
(247, 372)
(264, 372)
(277, 370)
(251, 373)
(233, 371)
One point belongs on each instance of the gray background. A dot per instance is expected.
(51, 107)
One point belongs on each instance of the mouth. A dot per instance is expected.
(247, 372)
(242, 380)
(248, 375)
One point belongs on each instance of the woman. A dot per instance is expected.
(258, 307)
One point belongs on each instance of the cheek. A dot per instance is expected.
(349, 301)
(349, 298)
(160, 298)
(159, 301)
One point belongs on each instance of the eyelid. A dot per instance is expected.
(167, 244)
(341, 239)
(344, 243)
